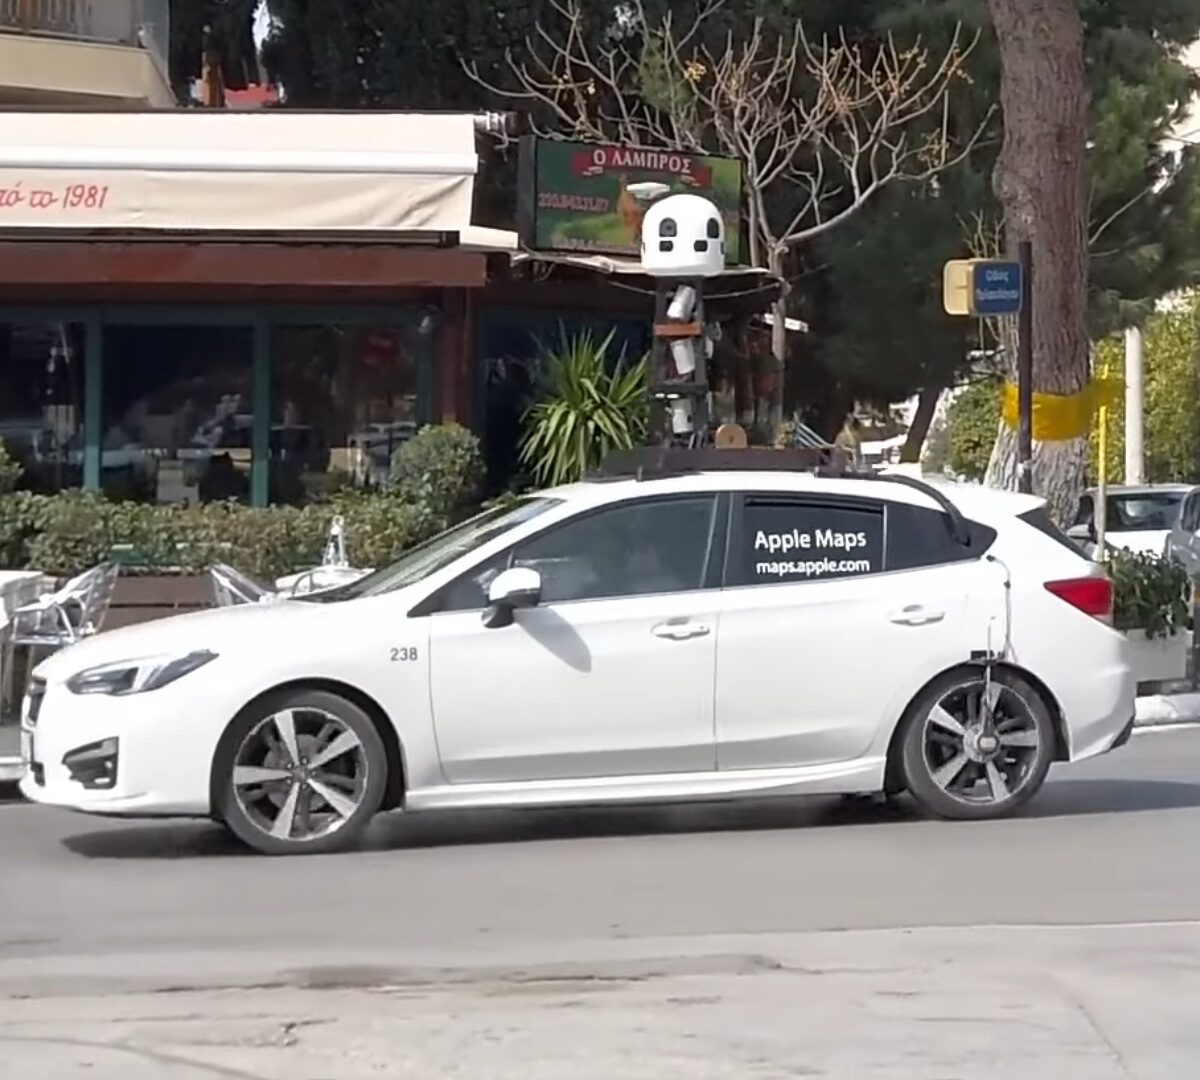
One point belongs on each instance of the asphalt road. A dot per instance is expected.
(821, 939)
(1110, 841)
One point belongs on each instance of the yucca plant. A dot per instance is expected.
(588, 406)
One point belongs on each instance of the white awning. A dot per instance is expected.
(271, 171)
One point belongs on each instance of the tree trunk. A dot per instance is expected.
(1041, 181)
(910, 453)
(779, 349)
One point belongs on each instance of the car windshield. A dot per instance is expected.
(1143, 511)
(443, 549)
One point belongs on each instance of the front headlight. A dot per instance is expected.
(137, 676)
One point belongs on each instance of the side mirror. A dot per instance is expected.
(512, 589)
(1083, 534)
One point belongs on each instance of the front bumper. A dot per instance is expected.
(140, 755)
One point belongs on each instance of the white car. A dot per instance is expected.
(1139, 518)
(693, 635)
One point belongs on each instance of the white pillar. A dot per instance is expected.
(1135, 455)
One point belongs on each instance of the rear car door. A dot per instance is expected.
(836, 611)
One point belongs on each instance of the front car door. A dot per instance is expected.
(611, 675)
(836, 611)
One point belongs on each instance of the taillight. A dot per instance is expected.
(1092, 595)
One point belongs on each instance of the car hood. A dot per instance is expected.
(220, 629)
(1149, 542)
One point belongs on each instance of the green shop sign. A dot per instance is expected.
(576, 197)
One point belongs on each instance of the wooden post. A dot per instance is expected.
(260, 460)
(93, 403)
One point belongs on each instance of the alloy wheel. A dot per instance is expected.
(981, 743)
(300, 774)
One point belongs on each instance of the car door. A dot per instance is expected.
(1183, 543)
(612, 674)
(835, 611)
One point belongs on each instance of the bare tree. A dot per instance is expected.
(821, 125)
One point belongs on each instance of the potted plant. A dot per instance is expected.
(1152, 606)
(590, 403)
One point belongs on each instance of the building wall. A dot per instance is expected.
(37, 70)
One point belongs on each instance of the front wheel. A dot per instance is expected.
(975, 748)
(302, 774)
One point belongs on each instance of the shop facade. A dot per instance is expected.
(201, 305)
(198, 305)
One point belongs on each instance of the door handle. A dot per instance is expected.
(916, 615)
(680, 629)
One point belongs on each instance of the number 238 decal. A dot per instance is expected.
(405, 654)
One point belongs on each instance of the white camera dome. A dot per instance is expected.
(683, 236)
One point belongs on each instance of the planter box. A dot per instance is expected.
(1158, 660)
(142, 598)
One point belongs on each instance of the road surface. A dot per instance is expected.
(773, 938)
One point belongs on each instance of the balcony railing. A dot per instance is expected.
(135, 23)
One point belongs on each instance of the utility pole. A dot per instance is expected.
(1135, 390)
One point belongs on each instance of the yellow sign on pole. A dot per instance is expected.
(956, 287)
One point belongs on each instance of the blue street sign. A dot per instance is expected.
(995, 288)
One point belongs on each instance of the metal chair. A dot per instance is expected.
(72, 613)
(321, 578)
(232, 587)
(75, 611)
(333, 570)
(335, 546)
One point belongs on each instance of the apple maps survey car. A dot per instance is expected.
(679, 635)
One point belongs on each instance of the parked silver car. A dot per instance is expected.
(1183, 541)
(1139, 518)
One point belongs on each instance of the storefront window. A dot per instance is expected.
(41, 402)
(345, 397)
(178, 413)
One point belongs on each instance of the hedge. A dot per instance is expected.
(64, 534)
(435, 479)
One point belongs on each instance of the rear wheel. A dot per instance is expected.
(302, 774)
(976, 748)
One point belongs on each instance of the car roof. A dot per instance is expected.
(1143, 489)
(971, 499)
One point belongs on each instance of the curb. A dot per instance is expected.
(1159, 710)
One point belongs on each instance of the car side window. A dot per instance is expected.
(783, 540)
(1190, 514)
(631, 549)
(1085, 512)
(918, 536)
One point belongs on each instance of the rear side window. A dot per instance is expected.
(918, 536)
(1040, 520)
(783, 541)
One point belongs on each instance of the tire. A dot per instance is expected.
(301, 773)
(960, 775)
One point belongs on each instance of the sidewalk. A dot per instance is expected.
(1053, 1003)
(1163, 709)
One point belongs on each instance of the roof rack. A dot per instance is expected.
(658, 462)
(646, 463)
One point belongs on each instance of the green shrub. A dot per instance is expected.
(1172, 399)
(439, 469)
(65, 534)
(21, 519)
(972, 422)
(1150, 593)
(589, 406)
(10, 471)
